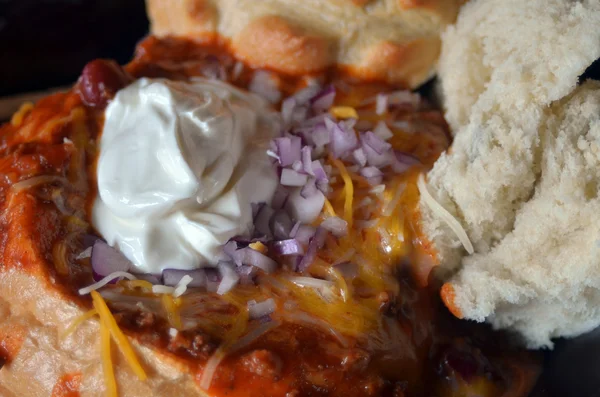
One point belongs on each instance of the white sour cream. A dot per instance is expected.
(180, 164)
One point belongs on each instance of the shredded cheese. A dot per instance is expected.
(107, 365)
(19, 116)
(172, 311)
(109, 321)
(78, 321)
(441, 212)
(329, 208)
(343, 112)
(182, 286)
(348, 191)
(106, 280)
(258, 246)
(162, 289)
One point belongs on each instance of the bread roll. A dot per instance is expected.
(521, 176)
(396, 41)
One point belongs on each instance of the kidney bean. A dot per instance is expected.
(99, 82)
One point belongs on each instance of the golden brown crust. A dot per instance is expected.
(273, 42)
(396, 41)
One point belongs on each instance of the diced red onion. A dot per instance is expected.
(403, 162)
(316, 242)
(248, 256)
(383, 131)
(151, 278)
(172, 277)
(320, 135)
(381, 104)
(292, 178)
(281, 224)
(306, 155)
(370, 172)
(378, 159)
(246, 273)
(335, 225)
(288, 247)
(304, 234)
(106, 260)
(295, 229)
(404, 98)
(305, 95)
(324, 99)
(264, 84)
(376, 143)
(287, 109)
(343, 139)
(288, 150)
(261, 309)
(360, 157)
(297, 166)
(318, 170)
(306, 209)
(310, 189)
(229, 278)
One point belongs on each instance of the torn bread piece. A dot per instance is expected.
(387, 40)
(503, 96)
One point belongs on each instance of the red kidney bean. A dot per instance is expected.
(99, 82)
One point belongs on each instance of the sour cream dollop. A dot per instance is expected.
(180, 165)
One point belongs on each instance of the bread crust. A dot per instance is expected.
(395, 41)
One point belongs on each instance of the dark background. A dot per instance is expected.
(46, 43)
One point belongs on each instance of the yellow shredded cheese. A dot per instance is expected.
(172, 311)
(78, 321)
(329, 208)
(258, 246)
(348, 191)
(17, 118)
(107, 365)
(121, 340)
(343, 112)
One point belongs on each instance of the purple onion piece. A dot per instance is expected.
(371, 172)
(246, 274)
(310, 189)
(306, 155)
(304, 234)
(153, 279)
(248, 256)
(288, 247)
(360, 157)
(303, 209)
(292, 178)
(281, 224)
(172, 277)
(316, 242)
(229, 277)
(320, 135)
(343, 139)
(324, 99)
(106, 260)
(376, 143)
(335, 225)
(88, 240)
